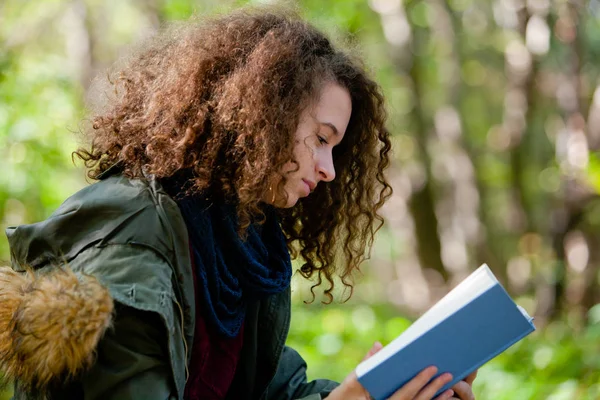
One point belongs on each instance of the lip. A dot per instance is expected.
(311, 185)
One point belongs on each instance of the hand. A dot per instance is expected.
(416, 389)
(464, 389)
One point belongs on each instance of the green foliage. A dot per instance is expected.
(555, 363)
(533, 180)
(38, 104)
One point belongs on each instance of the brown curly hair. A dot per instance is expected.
(222, 98)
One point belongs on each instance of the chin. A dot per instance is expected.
(290, 204)
(291, 201)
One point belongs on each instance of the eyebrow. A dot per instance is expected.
(329, 124)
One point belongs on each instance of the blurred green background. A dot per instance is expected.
(495, 113)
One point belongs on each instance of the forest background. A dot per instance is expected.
(495, 115)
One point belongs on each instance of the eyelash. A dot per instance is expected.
(322, 140)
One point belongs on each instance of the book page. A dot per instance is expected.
(473, 286)
(525, 313)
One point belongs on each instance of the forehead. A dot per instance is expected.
(333, 106)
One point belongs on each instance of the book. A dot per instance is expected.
(473, 323)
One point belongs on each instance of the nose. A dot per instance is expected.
(325, 167)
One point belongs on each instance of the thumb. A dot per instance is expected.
(469, 379)
(376, 347)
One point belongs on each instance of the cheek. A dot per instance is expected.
(304, 161)
(306, 157)
(289, 167)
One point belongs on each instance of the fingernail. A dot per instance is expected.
(450, 392)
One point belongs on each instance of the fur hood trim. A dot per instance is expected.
(50, 324)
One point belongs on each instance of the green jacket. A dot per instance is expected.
(129, 234)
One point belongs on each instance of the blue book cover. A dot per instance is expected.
(472, 324)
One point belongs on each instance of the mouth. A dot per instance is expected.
(311, 185)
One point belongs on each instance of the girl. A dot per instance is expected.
(221, 149)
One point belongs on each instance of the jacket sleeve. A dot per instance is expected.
(133, 357)
(131, 364)
(132, 360)
(290, 381)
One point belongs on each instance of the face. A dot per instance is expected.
(322, 127)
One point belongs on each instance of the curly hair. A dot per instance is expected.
(221, 98)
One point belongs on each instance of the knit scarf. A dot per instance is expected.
(232, 272)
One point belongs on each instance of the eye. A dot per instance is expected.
(322, 140)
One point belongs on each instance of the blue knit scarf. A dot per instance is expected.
(232, 272)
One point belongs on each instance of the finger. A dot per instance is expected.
(430, 390)
(464, 391)
(376, 347)
(469, 379)
(409, 390)
(447, 395)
